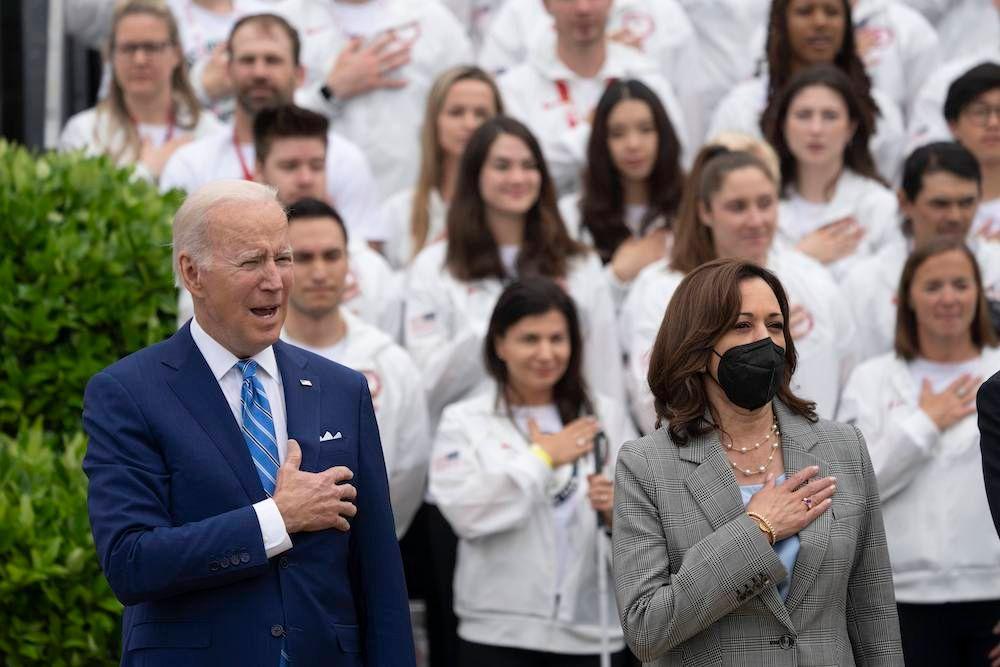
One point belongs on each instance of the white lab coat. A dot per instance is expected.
(726, 55)
(942, 543)
(349, 181)
(927, 123)
(531, 94)
(385, 123)
(964, 26)
(662, 27)
(493, 491)
(400, 409)
(396, 212)
(870, 290)
(446, 320)
(870, 203)
(475, 15)
(371, 292)
(91, 131)
(825, 349)
(906, 50)
(741, 109)
(569, 209)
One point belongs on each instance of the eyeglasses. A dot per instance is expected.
(130, 49)
(980, 114)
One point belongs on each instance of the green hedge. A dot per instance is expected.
(55, 605)
(85, 278)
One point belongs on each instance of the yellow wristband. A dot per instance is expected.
(546, 458)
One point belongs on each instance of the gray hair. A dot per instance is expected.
(192, 220)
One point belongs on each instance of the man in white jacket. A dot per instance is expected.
(265, 68)
(369, 68)
(556, 90)
(317, 322)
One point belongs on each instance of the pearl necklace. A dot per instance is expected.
(749, 472)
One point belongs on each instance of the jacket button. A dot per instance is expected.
(234, 558)
(277, 631)
(244, 557)
(283, 562)
(223, 563)
(213, 566)
(786, 642)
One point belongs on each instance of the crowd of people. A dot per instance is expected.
(491, 205)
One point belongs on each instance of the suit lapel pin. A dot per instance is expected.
(305, 383)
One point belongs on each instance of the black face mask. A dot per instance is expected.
(751, 374)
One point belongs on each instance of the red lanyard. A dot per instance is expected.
(567, 101)
(247, 175)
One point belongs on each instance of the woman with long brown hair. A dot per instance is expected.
(801, 34)
(835, 206)
(916, 407)
(461, 100)
(747, 531)
(503, 223)
(730, 209)
(632, 184)
(150, 110)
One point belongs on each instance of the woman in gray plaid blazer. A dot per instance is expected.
(719, 559)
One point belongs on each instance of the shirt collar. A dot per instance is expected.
(221, 361)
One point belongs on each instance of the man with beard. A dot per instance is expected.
(265, 70)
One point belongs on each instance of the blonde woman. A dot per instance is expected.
(150, 110)
(462, 99)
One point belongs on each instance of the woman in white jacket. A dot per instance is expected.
(520, 472)
(461, 99)
(916, 408)
(502, 224)
(835, 207)
(150, 110)
(731, 210)
(632, 184)
(801, 34)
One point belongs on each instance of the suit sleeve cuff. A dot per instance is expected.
(272, 528)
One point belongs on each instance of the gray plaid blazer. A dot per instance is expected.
(696, 578)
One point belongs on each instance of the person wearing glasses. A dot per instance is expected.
(151, 109)
(972, 110)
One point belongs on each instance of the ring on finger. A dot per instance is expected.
(808, 502)
(581, 442)
(961, 391)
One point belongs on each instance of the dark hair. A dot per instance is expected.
(602, 204)
(907, 342)
(857, 156)
(315, 208)
(780, 57)
(472, 252)
(537, 296)
(940, 156)
(964, 90)
(694, 244)
(268, 22)
(704, 307)
(285, 122)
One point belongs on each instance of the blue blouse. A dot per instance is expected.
(787, 549)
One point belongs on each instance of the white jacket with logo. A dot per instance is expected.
(493, 491)
(446, 320)
(942, 542)
(400, 409)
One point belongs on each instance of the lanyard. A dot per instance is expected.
(247, 174)
(562, 87)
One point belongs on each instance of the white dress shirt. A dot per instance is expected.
(222, 362)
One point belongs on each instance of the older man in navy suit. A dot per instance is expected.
(238, 494)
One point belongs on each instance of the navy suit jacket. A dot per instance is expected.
(171, 488)
(988, 409)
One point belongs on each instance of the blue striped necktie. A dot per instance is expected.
(258, 426)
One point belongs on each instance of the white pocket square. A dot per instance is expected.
(327, 437)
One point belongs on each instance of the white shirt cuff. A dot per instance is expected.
(272, 528)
